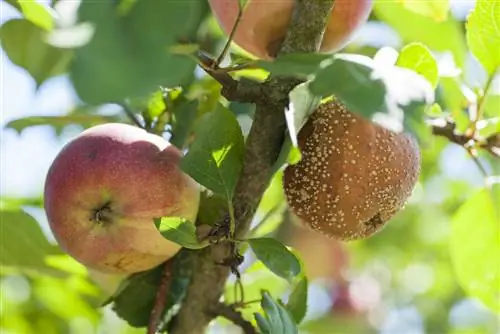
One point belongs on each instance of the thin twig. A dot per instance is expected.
(161, 296)
(234, 316)
(477, 162)
(481, 105)
(231, 36)
(131, 115)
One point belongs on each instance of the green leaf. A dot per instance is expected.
(390, 90)
(132, 54)
(135, 298)
(445, 36)
(297, 302)
(180, 231)
(23, 41)
(418, 57)
(302, 105)
(492, 104)
(212, 207)
(475, 247)
(184, 116)
(437, 10)
(23, 244)
(214, 159)
(35, 12)
(483, 34)
(276, 257)
(276, 319)
(301, 65)
(59, 122)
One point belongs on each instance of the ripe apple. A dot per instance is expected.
(264, 23)
(103, 190)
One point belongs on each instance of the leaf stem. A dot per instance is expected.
(481, 105)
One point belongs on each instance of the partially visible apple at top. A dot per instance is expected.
(263, 25)
(103, 191)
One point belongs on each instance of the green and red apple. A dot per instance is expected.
(103, 191)
(264, 23)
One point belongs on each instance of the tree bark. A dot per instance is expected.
(262, 148)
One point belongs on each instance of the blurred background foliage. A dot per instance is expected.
(402, 280)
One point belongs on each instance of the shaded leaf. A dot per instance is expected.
(214, 159)
(180, 231)
(23, 244)
(390, 91)
(475, 247)
(129, 55)
(136, 295)
(418, 57)
(212, 206)
(24, 44)
(276, 257)
(184, 116)
(298, 64)
(483, 34)
(276, 319)
(302, 105)
(297, 302)
(59, 122)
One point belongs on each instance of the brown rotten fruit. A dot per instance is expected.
(103, 190)
(264, 23)
(354, 175)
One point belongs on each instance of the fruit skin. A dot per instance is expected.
(264, 23)
(103, 190)
(354, 174)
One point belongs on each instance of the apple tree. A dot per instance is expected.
(322, 166)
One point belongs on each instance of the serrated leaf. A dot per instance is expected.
(276, 319)
(24, 44)
(417, 57)
(132, 53)
(475, 247)
(390, 91)
(180, 231)
(22, 242)
(483, 34)
(136, 296)
(297, 302)
(276, 257)
(438, 10)
(215, 158)
(59, 122)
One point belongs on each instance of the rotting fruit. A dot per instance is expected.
(264, 23)
(103, 191)
(354, 175)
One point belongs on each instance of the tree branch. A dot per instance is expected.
(234, 316)
(263, 145)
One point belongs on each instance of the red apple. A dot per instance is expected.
(264, 23)
(103, 190)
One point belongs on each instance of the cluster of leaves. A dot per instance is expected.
(120, 54)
